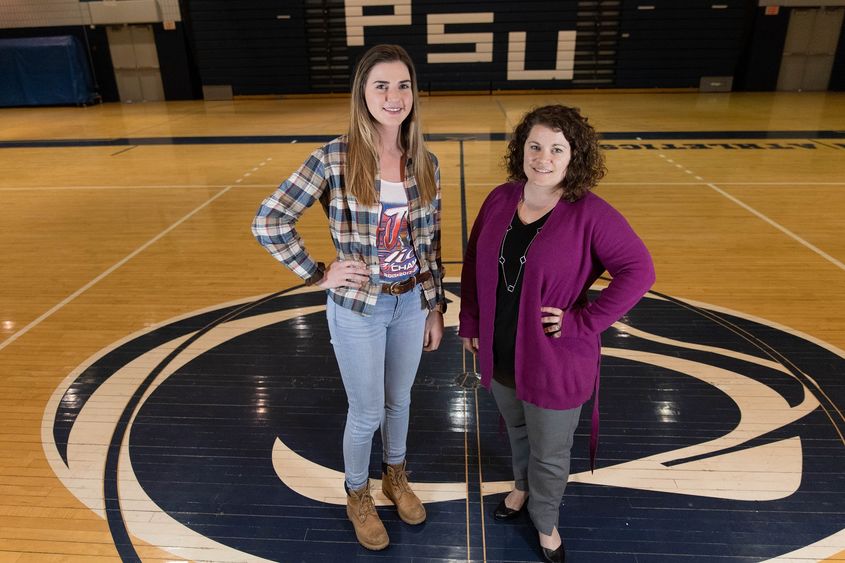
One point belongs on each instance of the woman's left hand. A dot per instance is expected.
(552, 321)
(433, 331)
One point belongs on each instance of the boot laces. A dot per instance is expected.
(399, 480)
(367, 506)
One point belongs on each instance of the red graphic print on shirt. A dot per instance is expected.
(395, 251)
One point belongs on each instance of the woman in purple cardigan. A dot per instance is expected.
(538, 244)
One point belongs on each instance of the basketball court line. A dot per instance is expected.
(761, 216)
(134, 187)
(779, 227)
(115, 266)
(473, 184)
(120, 152)
(480, 479)
(807, 135)
(466, 473)
(467, 184)
(108, 271)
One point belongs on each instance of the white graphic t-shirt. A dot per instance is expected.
(395, 251)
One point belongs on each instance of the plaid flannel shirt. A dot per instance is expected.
(353, 226)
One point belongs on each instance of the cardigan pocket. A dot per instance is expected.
(579, 358)
(572, 327)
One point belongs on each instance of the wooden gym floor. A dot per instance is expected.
(154, 407)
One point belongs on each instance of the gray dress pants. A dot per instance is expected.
(541, 440)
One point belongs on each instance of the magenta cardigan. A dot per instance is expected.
(577, 244)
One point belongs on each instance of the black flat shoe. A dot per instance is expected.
(554, 555)
(502, 511)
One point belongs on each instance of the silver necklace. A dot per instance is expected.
(512, 286)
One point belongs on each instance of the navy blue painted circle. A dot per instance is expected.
(201, 444)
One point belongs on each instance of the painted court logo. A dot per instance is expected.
(219, 432)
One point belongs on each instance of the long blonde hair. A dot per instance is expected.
(362, 151)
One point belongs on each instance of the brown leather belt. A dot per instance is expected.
(404, 286)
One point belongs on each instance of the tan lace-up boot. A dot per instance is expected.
(362, 512)
(394, 485)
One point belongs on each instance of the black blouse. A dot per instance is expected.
(517, 240)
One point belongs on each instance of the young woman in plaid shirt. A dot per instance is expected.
(380, 189)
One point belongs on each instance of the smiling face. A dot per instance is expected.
(388, 94)
(546, 157)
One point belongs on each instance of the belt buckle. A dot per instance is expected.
(400, 287)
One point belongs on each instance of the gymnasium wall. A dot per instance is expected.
(268, 47)
(54, 13)
(46, 18)
(276, 46)
(837, 75)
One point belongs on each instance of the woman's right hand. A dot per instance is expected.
(345, 273)
(470, 344)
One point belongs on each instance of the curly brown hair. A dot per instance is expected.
(586, 166)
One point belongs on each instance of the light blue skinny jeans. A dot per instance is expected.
(378, 358)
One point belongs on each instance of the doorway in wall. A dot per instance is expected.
(810, 48)
(135, 60)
